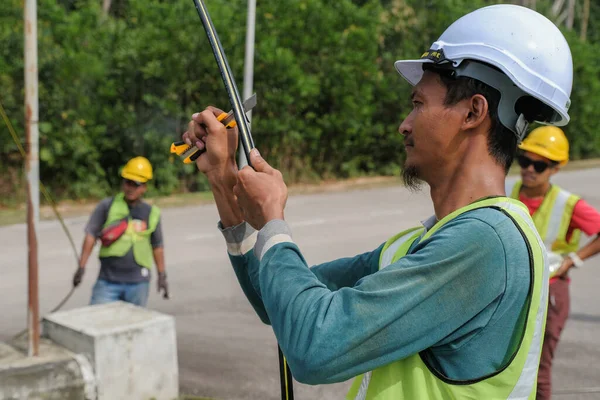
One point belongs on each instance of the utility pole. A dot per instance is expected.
(33, 172)
(248, 67)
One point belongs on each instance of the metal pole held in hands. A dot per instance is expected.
(287, 391)
(230, 86)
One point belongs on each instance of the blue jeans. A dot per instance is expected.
(106, 292)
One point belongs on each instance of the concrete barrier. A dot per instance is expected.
(56, 374)
(132, 350)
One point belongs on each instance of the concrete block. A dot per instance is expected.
(56, 374)
(132, 350)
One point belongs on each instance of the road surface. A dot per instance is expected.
(224, 350)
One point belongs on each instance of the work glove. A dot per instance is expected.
(163, 285)
(78, 276)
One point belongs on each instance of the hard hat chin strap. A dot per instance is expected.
(521, 127)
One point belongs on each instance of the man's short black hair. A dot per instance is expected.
(502, 142)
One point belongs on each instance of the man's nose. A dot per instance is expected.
(405, 127)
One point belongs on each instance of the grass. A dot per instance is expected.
(17, 214)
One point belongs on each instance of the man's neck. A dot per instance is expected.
(133, 203)
(471, 179)
(536, 191)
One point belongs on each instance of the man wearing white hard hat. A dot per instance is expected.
(453, 308)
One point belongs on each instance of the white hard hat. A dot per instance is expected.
(523, 44)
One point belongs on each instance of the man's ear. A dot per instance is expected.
(477, 112)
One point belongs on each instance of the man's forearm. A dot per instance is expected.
(86, 249)
(591, 249)
(159, 258)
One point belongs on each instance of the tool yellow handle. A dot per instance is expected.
(223, 116)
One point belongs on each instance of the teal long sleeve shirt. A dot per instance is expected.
(458, 298)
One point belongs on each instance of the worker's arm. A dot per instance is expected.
(156, 240)
(345, 272)
(86, 249)
(590, 249)
(159, 259)
(587, 219)
(92, 231)
(158, 252)
(161, 282)
(419, 301)
(587, 251)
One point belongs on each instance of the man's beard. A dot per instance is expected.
(410, 175)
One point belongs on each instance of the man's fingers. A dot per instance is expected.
(201, 124)
(194, 133)
(244, 175)
(216, 111)
(208, 118)
(200, 144)
(259, 163)
(186, 137)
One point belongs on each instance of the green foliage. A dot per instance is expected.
(329, 99)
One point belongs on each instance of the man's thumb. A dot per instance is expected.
(258, 163)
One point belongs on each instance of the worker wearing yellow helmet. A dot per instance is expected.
(560, 217)
(130, 233)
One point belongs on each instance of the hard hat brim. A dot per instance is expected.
(411, 70)
(134, 177)
(542, 152)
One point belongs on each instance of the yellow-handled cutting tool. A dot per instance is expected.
(189, 154)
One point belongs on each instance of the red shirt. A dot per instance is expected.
(585, 217)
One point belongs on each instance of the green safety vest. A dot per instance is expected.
(412, 378)
(140, 241)
(553, 217)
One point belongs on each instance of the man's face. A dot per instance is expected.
(430, 130)
(536, 170)
(133, 190)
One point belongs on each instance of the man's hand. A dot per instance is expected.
(261, 192)
(206, 132)
(78, 276)
(162, 284)
(566, 265)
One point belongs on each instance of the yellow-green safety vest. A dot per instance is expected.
(553, 217)
(139, 240)
(412, 378)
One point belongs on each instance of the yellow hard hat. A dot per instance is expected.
(549, 142)
(137, 169)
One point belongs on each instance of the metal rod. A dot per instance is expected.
(248, 67)
(32, 170)
(287, 391)
(230, 86)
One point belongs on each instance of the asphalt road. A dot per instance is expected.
(224, 350)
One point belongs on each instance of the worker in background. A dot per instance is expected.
(129, 230)
(452, 309)
(560, 217)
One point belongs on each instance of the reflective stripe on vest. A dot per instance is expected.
(411, 377)
(553, 217)
(525, 384)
